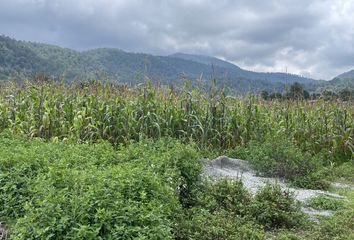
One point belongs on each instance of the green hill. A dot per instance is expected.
(341, 82)
(346, 75)
(20, 59)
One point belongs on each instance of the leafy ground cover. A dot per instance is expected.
(148, 190)
(92, 191)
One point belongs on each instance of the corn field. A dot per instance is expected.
(93, 111)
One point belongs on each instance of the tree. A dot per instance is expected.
(276, 95)
(328, 95)
(296, 91)
(306, 94)
(344, 94)
(265, 95)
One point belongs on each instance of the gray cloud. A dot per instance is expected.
(314, 38)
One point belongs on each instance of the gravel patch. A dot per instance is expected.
(2, 231)
(237, 169)
(342, 185)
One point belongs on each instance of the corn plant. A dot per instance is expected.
(89, 112)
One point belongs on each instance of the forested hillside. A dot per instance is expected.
(346, 75)
(343, 82)
(19, 59)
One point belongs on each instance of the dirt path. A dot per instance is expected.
(239, 169)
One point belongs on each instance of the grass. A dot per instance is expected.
(325, 203)
(344, 173)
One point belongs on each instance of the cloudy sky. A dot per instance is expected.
(314, 38)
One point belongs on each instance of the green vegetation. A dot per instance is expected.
(95, 111)
(146, 191)
(99, 160)
(345, 172)
(341, 86)
(20, 60)
(326, 203)
(276, 208)
(279, 156)
(297, 92)
(90, 191)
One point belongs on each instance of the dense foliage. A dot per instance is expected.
(296, 91)
(92, 191)
(93, 111)
(280, 157)
(148, 190)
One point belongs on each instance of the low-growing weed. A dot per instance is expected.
(325, 203)
(200, 223)
(51, 190)
(278, 156)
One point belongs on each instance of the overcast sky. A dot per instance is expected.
(314, 38)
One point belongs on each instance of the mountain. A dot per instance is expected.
(20, 59)
(342, 81)
(212, 61)
(237, 72)
(346, 75)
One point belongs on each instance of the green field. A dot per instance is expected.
(103, 161)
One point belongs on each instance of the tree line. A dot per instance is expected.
(297, 91)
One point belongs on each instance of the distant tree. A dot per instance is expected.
(345, 94)
(306, 94)
(314, 96)
(296, 91)
(328, 95)
(276, 95)
(265, 95)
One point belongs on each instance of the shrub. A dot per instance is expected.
(276, 208)
(344, 172)
(177, 164)
(284, 234)
(278, 156)
(120, 203)
(338, 227)
(314, 180)
(225, 194)
(218, 225)
(239, 152)
(82, 191)
(25, 160)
